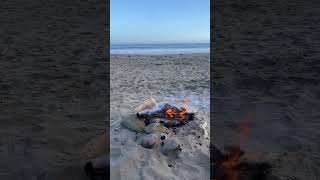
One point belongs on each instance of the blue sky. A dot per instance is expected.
(159, 21)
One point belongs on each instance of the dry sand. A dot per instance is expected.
(135, 78)
(53, 86)
(266, 61)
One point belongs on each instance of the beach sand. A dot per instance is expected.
(135, 78)
(53, 86)
(266, 63)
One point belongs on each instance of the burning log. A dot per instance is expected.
(171, 115)
(230, 166)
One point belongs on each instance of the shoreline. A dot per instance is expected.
(151, 49)
(175, 54)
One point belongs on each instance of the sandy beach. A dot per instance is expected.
(53, 87)
(266, 63)
(135, 78)
(54, 91)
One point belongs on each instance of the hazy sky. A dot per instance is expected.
(159, 21)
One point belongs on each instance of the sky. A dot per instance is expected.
(159, 21)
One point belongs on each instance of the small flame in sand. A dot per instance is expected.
(234, 153)
(184, 109)
(182, 114)
(232, 161)
(170, 113)
(244, 128)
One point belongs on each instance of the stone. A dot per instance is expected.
(133, 124)
(156, 128)
(148, 141)
(169, 146)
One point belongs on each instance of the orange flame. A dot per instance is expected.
(244, 135)
(244, 128)
(182, 114)
(185, 101)
(232, 161)
(170, 113)
(234, 152)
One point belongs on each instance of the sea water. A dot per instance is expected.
(178, 48)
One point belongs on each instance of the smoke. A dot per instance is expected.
(157, 107)
(192, 102)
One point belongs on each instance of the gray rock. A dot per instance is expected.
(169, 145)
(148, 141)
(133, 124)
(156, 128)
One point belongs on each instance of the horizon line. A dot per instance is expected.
(115, 43)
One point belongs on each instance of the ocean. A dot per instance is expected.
(160, 48)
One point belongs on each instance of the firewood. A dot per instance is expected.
(171, 115)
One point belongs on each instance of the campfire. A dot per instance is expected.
(170, 115)
(158, 118)
(232, 163)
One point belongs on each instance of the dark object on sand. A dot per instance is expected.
(226, 165)
(171, 116)
(163, 137)
(97, 169)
